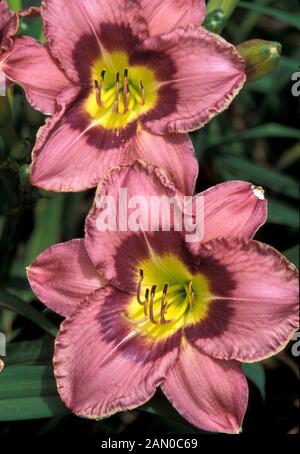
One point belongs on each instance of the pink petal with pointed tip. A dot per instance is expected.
(167, 15)
(255, 309)
(231, 209)
(63, 275)
(209, 393)
(174, 153)
(209, 73)
(100, 24)
(97, 377)
(30, 64)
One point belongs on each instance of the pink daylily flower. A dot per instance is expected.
(123, 80)
(147, 309)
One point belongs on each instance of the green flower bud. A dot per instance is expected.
(215, 21)
(217, 14)
(261, 57)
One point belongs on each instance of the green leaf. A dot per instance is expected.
(282, 213)
(292, 254)
(13, 303)
(15, 5)
(269, 130)
(48, 216)
(35, 352)
(29, 392)
(255, 372)
(159, 405)
(289, 18)
(47, 231)
(231, 167)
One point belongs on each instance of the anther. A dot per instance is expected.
(116, 104)
(142, 92)
(126, 91)
(151, 306)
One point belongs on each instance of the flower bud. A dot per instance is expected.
(217, 14)
(260, 56)
(215, 20)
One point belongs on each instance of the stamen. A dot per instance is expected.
(116, 103)
(191, 294)
(126, 91)
(98, 94)
(139, 289)
(151, 307)
(142, 92)
(98, 89)
(135, 322)
(163, 321)
(146, 302)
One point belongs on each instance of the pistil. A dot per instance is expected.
(116, 103)
(126, 91)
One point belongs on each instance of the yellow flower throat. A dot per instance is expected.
(169, 297)
(121, 92)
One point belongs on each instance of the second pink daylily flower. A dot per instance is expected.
(147, 309)
(123, 80)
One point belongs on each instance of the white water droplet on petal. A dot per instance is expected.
(259, 192)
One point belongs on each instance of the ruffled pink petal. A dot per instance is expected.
(209, 393)
(231, 209)
(30, 64)
(208, 74)
(8, 26)
(70, 153)
(173, 153)
(255, 309)
(63, 275)
(97, 372)
(167, 15)
(77, 35)
(113, 245)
